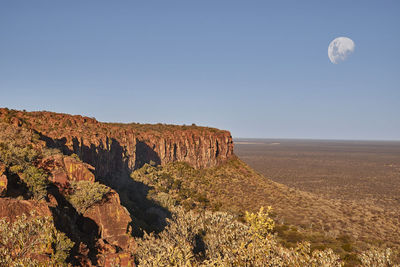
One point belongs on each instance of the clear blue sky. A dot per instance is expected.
(256, 68)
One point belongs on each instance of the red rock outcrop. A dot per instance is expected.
(11, 208)
(115, 240)
(112, 147)
(77, 170)
(117, 259)
(109, 215)
(109, 152)
(113, 221)
(65, 168)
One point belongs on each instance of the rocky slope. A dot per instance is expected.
(69, 149)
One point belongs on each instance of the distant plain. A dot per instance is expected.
(366, 172)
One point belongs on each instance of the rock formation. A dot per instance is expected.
(92, 151)
(11, 208)
(113, 221)
(107, 220)
(64, 169)
(112, 147)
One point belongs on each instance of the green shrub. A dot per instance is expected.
(18, 154)
(85, 194)
(75, 156)
(260, 223)
(377, 257)
(218, 239)
(48, 152)
(28, 237)
(179, 181)
(17, 158)
(37, 182)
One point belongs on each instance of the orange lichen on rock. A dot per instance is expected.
(65, 168)
(113, 221)
(11, 208)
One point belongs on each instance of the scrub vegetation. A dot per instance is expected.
(229, 191)
(28, 237)
(85, 194)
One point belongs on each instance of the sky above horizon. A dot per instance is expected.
(257, 68)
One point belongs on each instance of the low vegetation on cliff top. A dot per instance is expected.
(50, 121)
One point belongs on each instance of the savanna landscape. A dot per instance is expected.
(122, 194)
(365, 172)
(120, 126)
(359, 177)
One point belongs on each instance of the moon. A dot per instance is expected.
(339, 49)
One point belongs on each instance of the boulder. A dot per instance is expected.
(110, 256)
(118, 259)
(113, 221)
(10, 208)
(77, 170)
(65, 168)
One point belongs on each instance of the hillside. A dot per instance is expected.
(102, 186)
(348, 228)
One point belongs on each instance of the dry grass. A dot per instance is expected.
(235, 187)
(357, 183)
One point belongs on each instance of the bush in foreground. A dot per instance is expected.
(26, 239)
(377, 257)
(217, 239)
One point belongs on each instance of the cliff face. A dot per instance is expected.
(105, 153)
(112, 148)
(101, 234)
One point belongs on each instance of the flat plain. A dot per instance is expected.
(365, 172)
